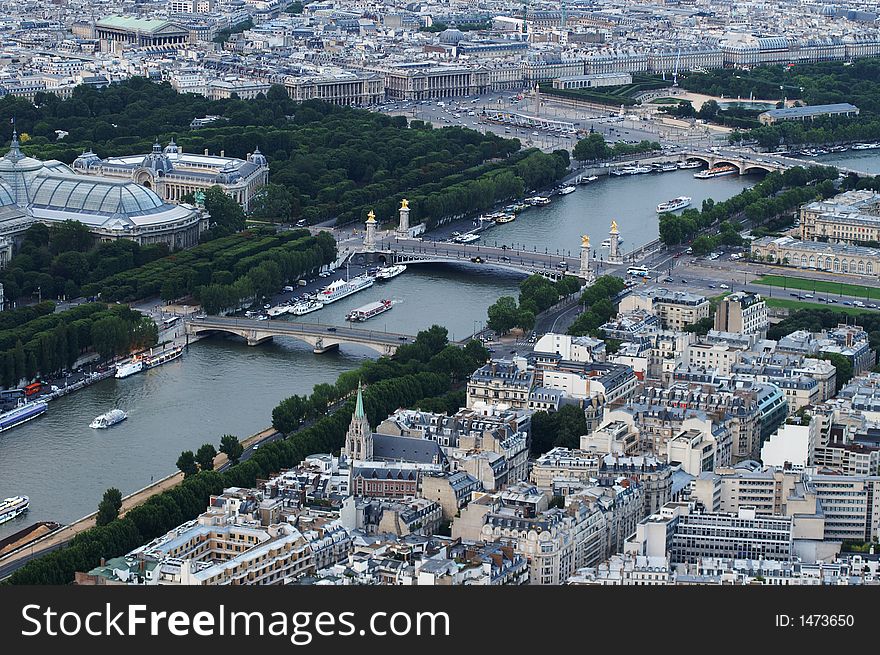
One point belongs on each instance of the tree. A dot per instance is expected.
(226, 215)
(591, 147)
(503, 314)
(230, 445)
(844, 368)
(571, 426)
(205, 457)
(709, 110)
(187, 463)
(108, 508)
(273, 202)
(545, 425)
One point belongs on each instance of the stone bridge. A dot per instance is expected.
(322, 338)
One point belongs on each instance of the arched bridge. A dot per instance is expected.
(412, 251)
(745, 162)
(321, 337)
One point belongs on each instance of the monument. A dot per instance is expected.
(403, 225)
(370, 234)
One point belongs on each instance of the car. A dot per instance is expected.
(402, 338)
(724, 286)
(331, 329)
(491, 350)
(562, 265)
(288, 288)
(684, 281)
(795, 295)
(872, 306)
(256, 446)
(512, 352)
(831, 300)
(711, 286)
(668, 279)
(808, 296)
(847, 302)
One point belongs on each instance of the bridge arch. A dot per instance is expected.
(319, 343)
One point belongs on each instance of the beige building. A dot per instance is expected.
(564, 464)
(343, 88)
(742, 313)
(676, 309)
(501, 382)
(173, 174)
(844, 258)
(849, 217)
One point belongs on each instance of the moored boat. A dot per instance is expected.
(388, 272)
(344, 288)
(22, 414)
(305, 307)
(716, 171)
(12, 507)
(132, 366)
(152, 360)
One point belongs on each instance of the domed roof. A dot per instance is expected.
(7, 197)
(16, 160)
(86, 160)
(229, 173)
(451, 35)
(93, 195)
(171, 148)
(257, 158)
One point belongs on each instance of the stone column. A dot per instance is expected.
(613, 250)
(403, 226)
(585, 271)
(370, 234)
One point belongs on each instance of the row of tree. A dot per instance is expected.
(227, 270)
(536, 294)
(191, 463)
(594, 147)
(61, 260)
(53, 342)
(776, 193)
(397, 384)
(599, 306)
(429, 352)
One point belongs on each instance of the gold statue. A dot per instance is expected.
(404, 204)
(613, 226)
(371, 217)
(585, 241)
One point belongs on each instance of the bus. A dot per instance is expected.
(33, 388)
(638, 271)
(168, 322)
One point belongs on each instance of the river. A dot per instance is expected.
(222, 386)
(867, 161)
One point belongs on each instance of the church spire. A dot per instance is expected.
(359, 405)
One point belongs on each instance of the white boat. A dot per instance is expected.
(369, 310)
(716, 171)
(665, 167)
(342, 288)
(22, 414)
(537, 200)
(674, 205)
(607, 242)
(278, 310)
(111, 418)
(12, 507)
(587, 180)
(690, 163)
(153, 360)
(134, 365)
(305, 307)
(388, 272)
(564, 191)
(468, 238)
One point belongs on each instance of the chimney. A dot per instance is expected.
(222, 153)
(206, 151)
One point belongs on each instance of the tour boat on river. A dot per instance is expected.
(369, 310)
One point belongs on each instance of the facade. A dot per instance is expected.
(501, 382)
(592, 81)
(117, 33)
(850, 218)
(344, 88)
(48, 192)
(676, 309)
(808, 113)
(428, 81)
(743, 313)
(173, 174)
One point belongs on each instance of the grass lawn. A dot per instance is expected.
(833, 288)
(665, 101)
(795, 305)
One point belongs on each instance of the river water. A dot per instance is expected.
(222, 386)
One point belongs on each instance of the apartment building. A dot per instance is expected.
(506, 382)
(676, 309)
(742, 312)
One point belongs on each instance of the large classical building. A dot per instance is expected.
(343, 88)
(852, 217)
(173, 174)
(116, 33)
(34, 191)
(831, 257)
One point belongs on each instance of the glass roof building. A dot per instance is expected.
(36, 191)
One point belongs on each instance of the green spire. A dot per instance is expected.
(359, 406)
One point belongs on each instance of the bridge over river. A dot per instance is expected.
(322, 338)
